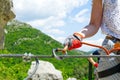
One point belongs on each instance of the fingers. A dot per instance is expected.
(65, 49)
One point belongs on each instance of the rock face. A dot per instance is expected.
(71, 79)
(6, 14)
(45, 71)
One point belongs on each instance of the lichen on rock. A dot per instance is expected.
(6, 14)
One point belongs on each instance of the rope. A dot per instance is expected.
(35, 69)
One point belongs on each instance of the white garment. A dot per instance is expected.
(111, 18)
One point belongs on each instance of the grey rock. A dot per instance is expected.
(71, 79)
(45, 71)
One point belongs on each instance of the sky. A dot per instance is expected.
(57, 18)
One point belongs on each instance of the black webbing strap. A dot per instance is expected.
(110, 71)
(113, 39)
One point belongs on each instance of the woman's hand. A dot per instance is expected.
(72, 42)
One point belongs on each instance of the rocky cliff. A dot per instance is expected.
(6, 14)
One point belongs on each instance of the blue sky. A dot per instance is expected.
(57, 18)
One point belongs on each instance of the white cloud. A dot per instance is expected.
(47, 15)
(31, 10)
(48, 22)
(53, 31)
(49, 25)
(82, 16)
(97, 42)
(35, 9)
(60, 39)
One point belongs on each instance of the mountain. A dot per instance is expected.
(21, 38)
